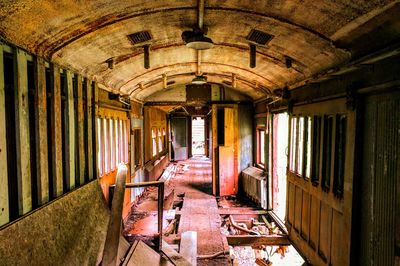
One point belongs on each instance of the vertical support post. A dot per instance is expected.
(56, 141)
(160, 213)
(71, 129)
(81, 152)
(4, 207)
(41, 132)
(95, 96)
(22, 131)
(89, 128)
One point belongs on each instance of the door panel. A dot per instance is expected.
(179, 138)
(226, 171)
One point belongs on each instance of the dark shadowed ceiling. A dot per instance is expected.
(316, 36)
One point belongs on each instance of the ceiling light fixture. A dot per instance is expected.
(196, 40)
(199, 80)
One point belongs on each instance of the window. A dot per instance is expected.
(316, 146)
(160, 142)
(106, 147)
(137, 148)
(164, 138)
(300, 146)
(112, 145)
(117, 143)
(154, 141)
(100, 140)
(308, 148)
(293, 138)
(340, 145)
(327, 152)
(261, 146)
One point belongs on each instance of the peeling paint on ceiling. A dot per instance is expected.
(85, 35)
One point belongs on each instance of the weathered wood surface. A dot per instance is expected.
(90, 125)
(4, 208)
(175, 257)
(41, 131)
(110, 254)
(142, 255)
(79, 123)
(246, 240)
(22, 131)
(56, 140)
(71, 130)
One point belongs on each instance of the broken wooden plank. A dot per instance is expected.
(23, 134)
(246, 240)
(188, 246)
(4, 207)
(41, 131)
(174, 256)
(111, 245)
(143, 255)
(241, 212)
(56, 141)
(71, 129)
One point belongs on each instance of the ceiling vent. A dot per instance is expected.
(259, 37)
(139, 37)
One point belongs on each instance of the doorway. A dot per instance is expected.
(280, 135)
(198, 136)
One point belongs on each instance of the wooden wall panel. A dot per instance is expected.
(305, 216)
(80, 125)
(325, 232)
(71, 130)
(4, 208)
(90, 129)
(22, 131)
(41, 130)
(337, 256)
(56, 142)
(291, 208)
(314, 222)
(297, 208)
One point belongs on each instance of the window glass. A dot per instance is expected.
(262, 146)
(308, 148)
(340, 151)
(112, 145)
(154, 141)
(293, 137)
(327, 152)
(300, 147)
(106, 147)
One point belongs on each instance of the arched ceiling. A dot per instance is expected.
(84, 35)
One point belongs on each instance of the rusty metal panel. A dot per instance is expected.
(379, 179)
(56, 141)
(22, 130)
(41, 130)
(4, 208)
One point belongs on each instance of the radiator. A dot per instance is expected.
(255, 185)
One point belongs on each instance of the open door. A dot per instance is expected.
(225, 170)
(280, 136)
(179, 130)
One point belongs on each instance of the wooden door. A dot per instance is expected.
(179, 127)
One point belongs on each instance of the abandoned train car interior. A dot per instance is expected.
(200, 132)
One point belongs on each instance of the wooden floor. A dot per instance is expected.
(200, 210)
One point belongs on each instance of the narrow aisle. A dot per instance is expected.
(200, 210)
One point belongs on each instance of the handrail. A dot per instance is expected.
(110, 253)
(160, 208)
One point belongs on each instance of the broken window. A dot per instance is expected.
(160, 143)
(316, 146)
(137, 136)
(327, 152)
(261, 146)
(340, 151)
